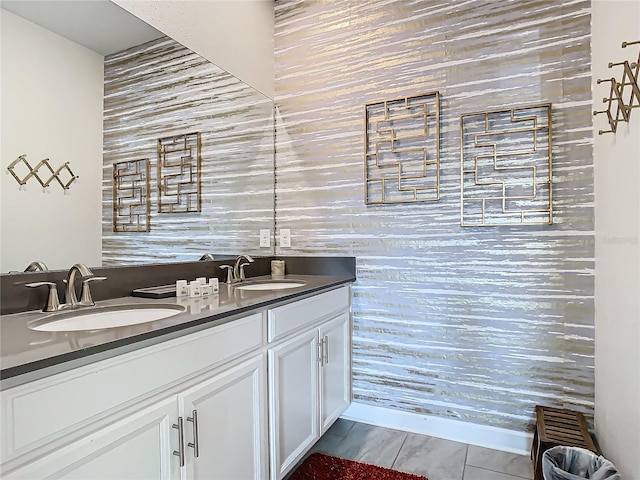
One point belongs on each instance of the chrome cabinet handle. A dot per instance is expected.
(194, 418)
(320, 351)
(325, 344)
(180, 451)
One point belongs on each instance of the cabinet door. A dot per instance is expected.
(230, 414)
(293, 400)
(335, 374)
(139, 447)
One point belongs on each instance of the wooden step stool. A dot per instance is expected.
(558, 426)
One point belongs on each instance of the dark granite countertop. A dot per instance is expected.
(28, 354)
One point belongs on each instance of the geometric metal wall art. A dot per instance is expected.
(131, 203)
(505, 167)
(624, 95)
(402, 150)
(179, 173)
(58, 174)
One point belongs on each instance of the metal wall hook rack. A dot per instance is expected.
(624, 95)
(54, 174)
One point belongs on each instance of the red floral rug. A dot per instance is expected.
(323, 467)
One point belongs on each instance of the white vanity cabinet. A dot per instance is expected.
(293, 400)
(144, 414)
(309, 365)
(335, 370)
(239, 401)
(137, 447)
(225, 425)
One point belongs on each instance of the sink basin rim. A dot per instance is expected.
(99, 317)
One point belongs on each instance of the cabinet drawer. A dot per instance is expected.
(298, 315)
(134, 447)
(46, 410)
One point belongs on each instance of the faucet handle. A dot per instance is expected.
(53, 303)
(241, 269)
(229, 272)
(85, 294)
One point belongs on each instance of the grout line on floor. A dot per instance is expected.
(464, 464)
(406, 435)
(498, 471)
(340, 441)
(348, 430)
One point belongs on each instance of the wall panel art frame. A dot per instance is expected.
(179, 172)
(131, 203)
(402, 150)
(506, 166)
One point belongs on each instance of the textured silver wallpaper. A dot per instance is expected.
(162, 89)
(473, 323)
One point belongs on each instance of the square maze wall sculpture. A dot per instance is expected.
(131, 205)
(402, 150)
(505, 169)
(179, 174)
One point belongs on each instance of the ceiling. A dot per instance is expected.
(99, 25)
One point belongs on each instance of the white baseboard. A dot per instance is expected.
(481, 435)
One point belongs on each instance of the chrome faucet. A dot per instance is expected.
(71, 300)
(36, 266)
(238, 268)
(235, 273)
(206, 256)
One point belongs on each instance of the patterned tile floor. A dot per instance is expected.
(434, 458)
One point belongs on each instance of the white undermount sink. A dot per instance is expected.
(271, 285)
(96, 318)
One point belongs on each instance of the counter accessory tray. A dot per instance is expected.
(162, 291)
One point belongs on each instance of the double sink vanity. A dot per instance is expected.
(237, 385)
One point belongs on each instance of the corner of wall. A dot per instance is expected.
(617, 206)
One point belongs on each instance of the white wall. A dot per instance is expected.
(51, 108)
(617, 187)
(235, 35)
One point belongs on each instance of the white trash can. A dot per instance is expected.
(573, 463)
